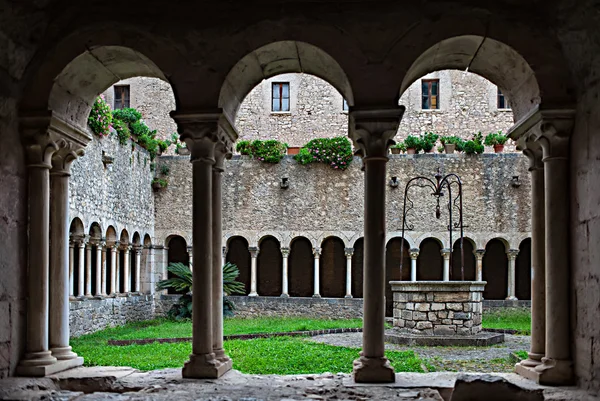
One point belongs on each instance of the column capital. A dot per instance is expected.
(224, 251)
(208, 135)
(97, 241)
(414, 253)
(349, 252)
(479, 253)
(317, 252)
(189, 248)
(125, 247)
(138, 248)
(372, 131)
(254, 251)
(512, 254)
(533, 150)
(446, 252)
(285, 251)
(113, 245)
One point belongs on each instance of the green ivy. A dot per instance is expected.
(122, 129)
(335, 152)
(268, 151)
(128, 115)
(100, 118)
(244, 148)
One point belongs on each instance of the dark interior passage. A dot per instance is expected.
(332, 274)
(239, 255)
(301, 268)
(393, 256)
(495, 270)
(430, 263)
(469, 261)
(357, 268)
(269, 268)
(523, 271)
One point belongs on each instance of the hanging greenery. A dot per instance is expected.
(335, 152)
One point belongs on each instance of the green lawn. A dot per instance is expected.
(509, 318)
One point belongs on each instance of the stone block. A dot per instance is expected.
(450, 314)
(454, 306)
(418, 297)
(463, 331)
(446, 321)
(476, 307)
(407, 315)
(457, 322)
(443, 314)
(451, 297)
(397, 313)
(424, 325)
(476, 318)
(400, 305)
(401, 297)
(430, 296)
(468, 323)
(444, 330)
(476, 329)
(410, 324)
(399, 323)
(419, 316)
(432, 317)
(438, 306)
(410, 306)
(462, 315)
(422, 307)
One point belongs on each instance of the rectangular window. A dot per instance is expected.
(502, 101)
(345, 105)
(430, 94)
(121, 96)
(281, 96)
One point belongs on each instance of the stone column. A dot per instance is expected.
(114, 257)
(221, 152)
(103, 270)
(479, 267)
(253, 254)
(224, 255)
(202, 133)
(71, 261)
(349, 252)
(285, 252)
(81, 266)
(414, 254)
(317, 291)
(59, 265)
(99, 246)
(372, 132)
(126, 270)
(512, 257)
(190, 257)
(88, 269)
(446, 252)
(138, 266)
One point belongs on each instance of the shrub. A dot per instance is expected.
(128, 115)
(100, 118)
(401, 146)
(475, 145)
(269, 151)
(244, 148)
(495, 138)
(161, 181)
(414, 142)
(164, 169)
(428, 141)
(335, 152)
(122, 129)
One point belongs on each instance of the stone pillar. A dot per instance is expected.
(71, 261)
(202, 134)
(317, 253)
(446, 252)
(533, 151)
(81, 266)
(479, 267)
(190, 257)
(88, 269)
(372, 132)
(414, 254)
(114, 257)
(103, 270)
(138, 267)
(253, 255)
(99, 246)
(285, 252)
(126, 270)
(349, 252)
(59, 265)
(224, 255)
(512, 257)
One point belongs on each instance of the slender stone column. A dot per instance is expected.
(88, 269)
(285, 252)
(81, 266)
(165, 264)
(446, 252)
(190, 257)
(479, 266)
(512, 257)
(414, 254)
(224, 255)
(372, 132)
(317, 253)
(98, 290)
(349, 252)
(202, 133)
(253, 255)
(114, 257)
(221, 152)
(103, 270)
(126, 269)
(71, 261)
(138, 265)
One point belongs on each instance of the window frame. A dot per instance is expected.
(281, 97)
(500, 95)
(345, 107)
(429, 83)
(122, 89)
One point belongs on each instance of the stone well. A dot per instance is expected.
(438, 308)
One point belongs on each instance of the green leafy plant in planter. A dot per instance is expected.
(413, 144)
(398, 148)
(475, 145)
(452, 143)
(128, 115)
(158, 183)
(100, 119)
(497, 140)
(182, 282)
(268, 151)
(244, 148)
(428, 141)
(335, 152)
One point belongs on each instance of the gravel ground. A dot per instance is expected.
(481, 359)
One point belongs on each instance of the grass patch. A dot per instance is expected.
(522, 355)
(508, 318)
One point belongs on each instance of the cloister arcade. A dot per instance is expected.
(371, 63)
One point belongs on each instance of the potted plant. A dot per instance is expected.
(497, 140)
(451, 143)
(413, 144)
(398, 148)
(293, 150)
(474, 146)
(182, 150)
(428, 141)
(159, 183)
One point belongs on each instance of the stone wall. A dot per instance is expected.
(323, 308)
(118, 194)
(321, 202)
(93, 314)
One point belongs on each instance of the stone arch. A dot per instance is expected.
(525, 83)
(523, 270)
(332, 268)
(393, 257)
(300, 267)
(430, 263)
(470, 262)
(124, 237)
(277, 58)
(111, 234)
(95, 231)
(239, 254)
(76, 227)
(136, 240)
(495, 269)
(176, 253)
(77, 239)
(147, 240)
(358, 267)
(268, 267)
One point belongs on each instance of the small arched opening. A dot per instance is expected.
(469, 261)
(495, 270)
(332, 274)
(430, 263)
(300, 269)
(177, 253)
(523, 271)
(357, 268)
(269, 264)
(239, 254)
(393, 256)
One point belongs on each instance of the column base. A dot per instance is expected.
(223, 358)
(63, 353)
(549, 372)
(27, 370)
(204, 366)
(284, 296)
(511, 298)
(349, 296)
(373, 370)
(533, 360)
(316, 296)
(253, 294)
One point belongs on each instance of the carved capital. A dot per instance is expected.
(533, 150)
(317, 252)
(285, 252)
(414, 253)
(512, 254)
(372, 131)
(208, 136)
(349, 252)
(254, 250)
(479, 254)
(224, 251)
(446, 253)
(66, 154)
